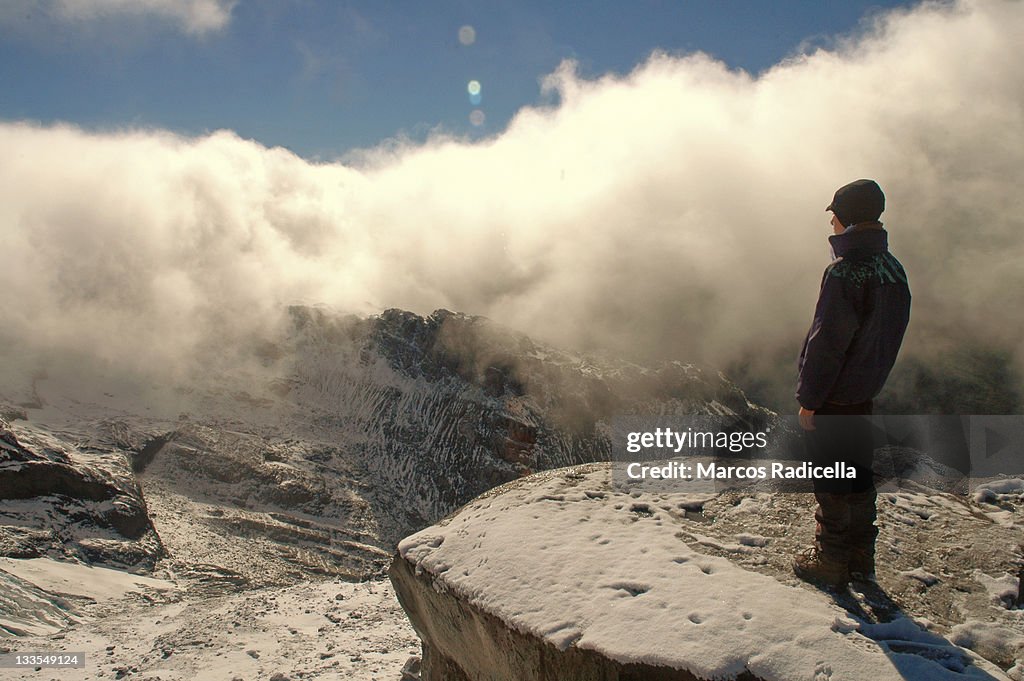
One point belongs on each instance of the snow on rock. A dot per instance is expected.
(1001, 489)
(318, 630)
(921, 575)
(556, 576)
(77, 579)
(443, 407)
(747, 539)
(1005, 589)
(71, 501)
(994, 641)
(39, 594)
(26, 610)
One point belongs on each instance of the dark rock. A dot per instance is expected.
(43, 478)
(145, 455)
(411, 669)
(81, 502)
(11, 412)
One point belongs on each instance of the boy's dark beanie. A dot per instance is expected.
(859, 201)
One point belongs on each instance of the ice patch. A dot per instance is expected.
(1003, 588)
(75, 579)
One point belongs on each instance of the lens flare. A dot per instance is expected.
(475, 99)
(477, 117)
(474, 87)
(467, 35)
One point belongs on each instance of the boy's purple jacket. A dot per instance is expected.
(862, 312)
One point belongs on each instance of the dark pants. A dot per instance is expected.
(846, 507)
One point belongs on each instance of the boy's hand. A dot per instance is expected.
(806, 419)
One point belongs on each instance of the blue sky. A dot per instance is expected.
(322, 77)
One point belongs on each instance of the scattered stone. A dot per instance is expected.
(75, 489)
(922, 575)
(411, 669)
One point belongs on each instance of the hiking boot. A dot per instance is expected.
(814, 566)
(862, 565)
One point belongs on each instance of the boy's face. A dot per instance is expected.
(837, 227)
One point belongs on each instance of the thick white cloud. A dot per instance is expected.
(676, 211)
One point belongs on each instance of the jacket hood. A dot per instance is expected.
(862, 241)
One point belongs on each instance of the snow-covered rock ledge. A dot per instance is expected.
(557, 577)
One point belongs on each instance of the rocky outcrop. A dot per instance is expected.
(462, 642)
(556, 576)
(69, 501)
(295, 500)
(440, 408)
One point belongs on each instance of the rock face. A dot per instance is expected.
(558, 577)
(444, 407)
(299, 501)
(58, 498)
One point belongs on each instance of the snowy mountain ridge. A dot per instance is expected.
(345, 434)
